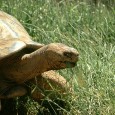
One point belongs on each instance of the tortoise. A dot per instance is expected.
(22, 60)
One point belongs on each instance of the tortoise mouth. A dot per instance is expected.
(69, 64)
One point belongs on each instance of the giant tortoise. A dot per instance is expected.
(25, 61)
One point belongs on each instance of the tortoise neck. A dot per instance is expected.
(36, 62)
(39, 62)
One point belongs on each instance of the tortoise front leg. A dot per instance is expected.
(49, 84)
(9, 94)
(12, 92)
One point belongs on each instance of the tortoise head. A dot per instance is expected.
(60, 56)
(53, 56)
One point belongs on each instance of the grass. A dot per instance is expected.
(87, 28)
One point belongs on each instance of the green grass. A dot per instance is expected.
(89, 29)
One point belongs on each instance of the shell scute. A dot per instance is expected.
(13, 36)
(8, 47)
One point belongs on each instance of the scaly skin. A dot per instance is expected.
(22, 67)
(21, 60)
(49, 81)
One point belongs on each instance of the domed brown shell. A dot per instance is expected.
(13, 36)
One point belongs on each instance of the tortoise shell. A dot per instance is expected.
(18, 65)
(13, 36)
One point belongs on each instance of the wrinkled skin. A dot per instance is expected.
(23, 67)
(21, 60)
(50, 84)
(48, 81)
(17, 70)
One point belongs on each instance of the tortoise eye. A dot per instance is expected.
(67, 54)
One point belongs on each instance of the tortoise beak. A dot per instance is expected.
(71, 57)
(71, 60)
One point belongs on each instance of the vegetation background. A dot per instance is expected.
(88, 26)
